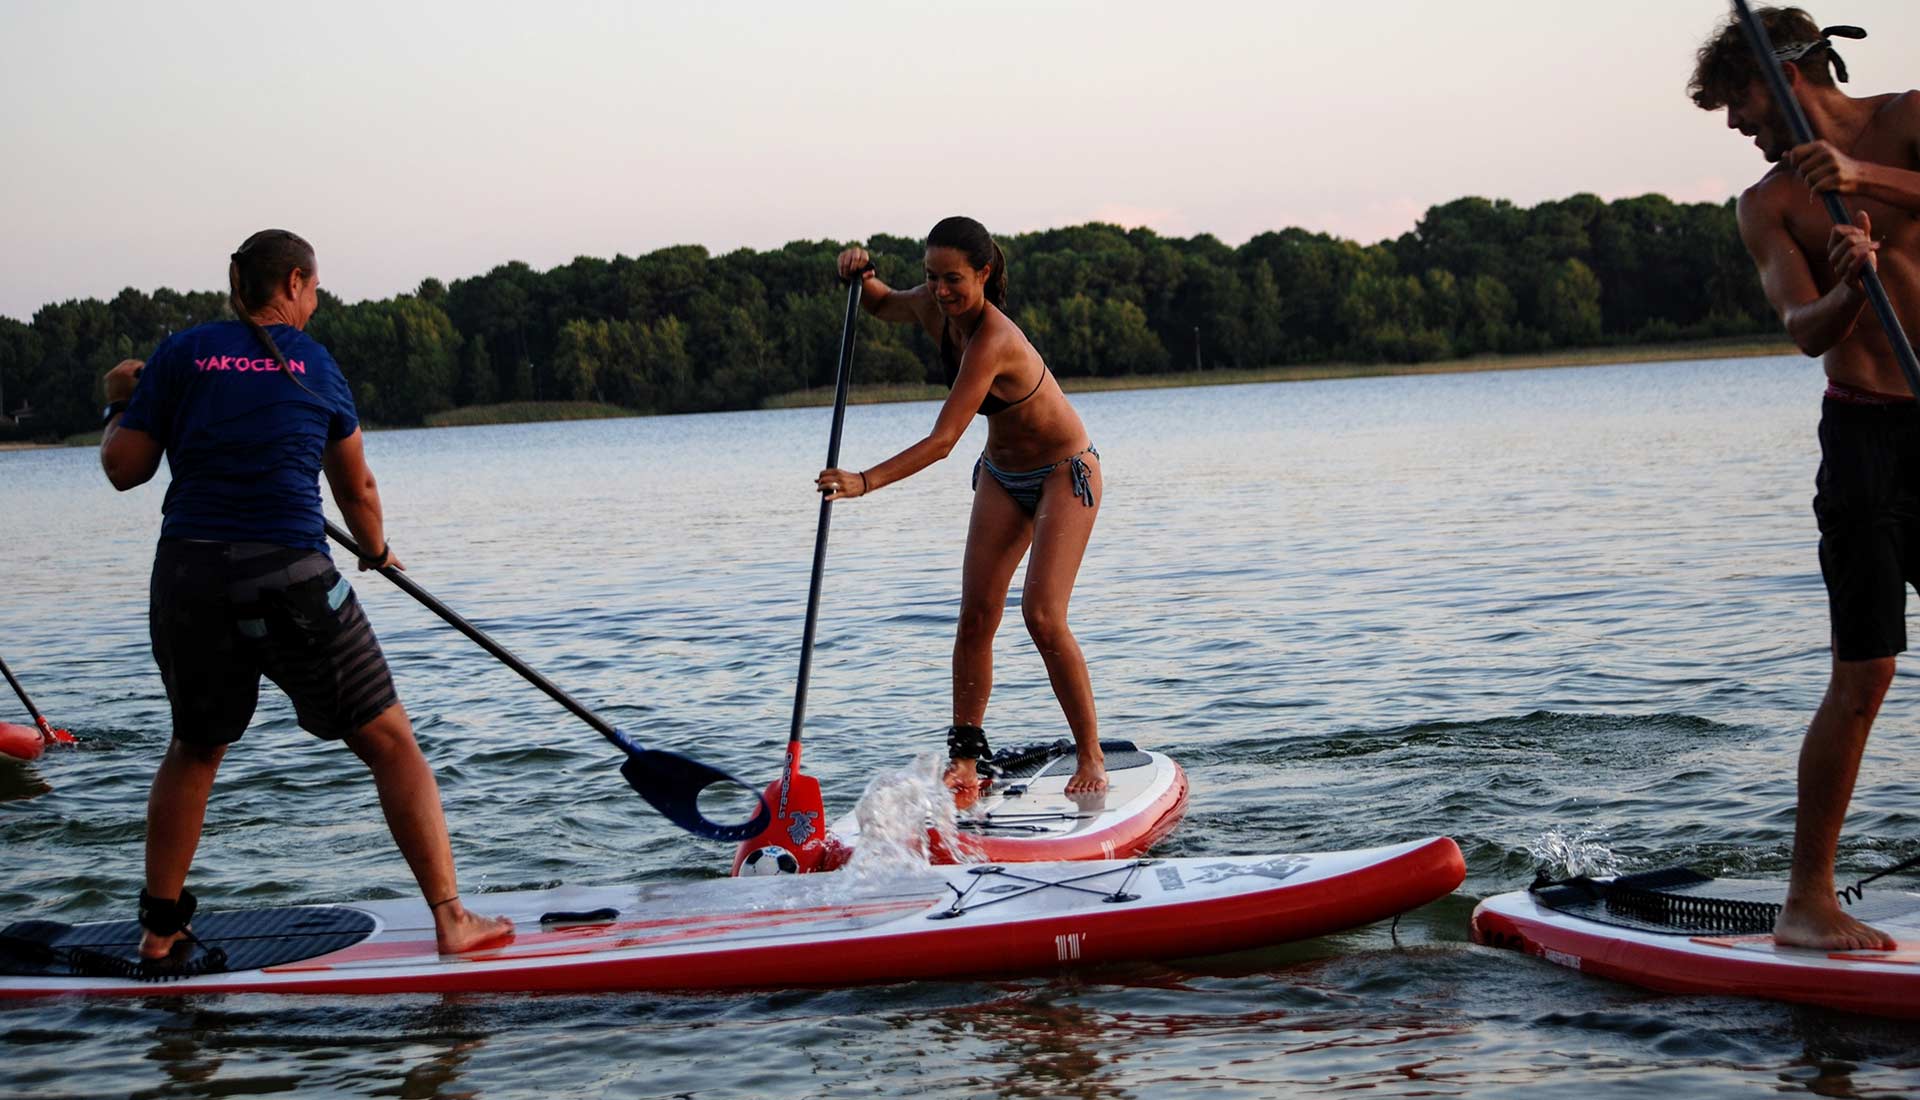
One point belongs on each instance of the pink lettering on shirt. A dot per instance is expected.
(229, 362)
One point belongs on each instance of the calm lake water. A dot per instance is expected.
(1503, 607)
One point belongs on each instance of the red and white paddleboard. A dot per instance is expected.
(1025, 815)
(1689, 955)
(20, 742)
(774, 932)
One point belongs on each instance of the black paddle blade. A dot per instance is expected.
(672, 783)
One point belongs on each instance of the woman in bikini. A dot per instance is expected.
(1041, 487)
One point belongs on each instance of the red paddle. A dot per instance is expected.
(20, 742)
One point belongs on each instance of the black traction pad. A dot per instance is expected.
(1678, 901)
(1034, 761)
(252, 939)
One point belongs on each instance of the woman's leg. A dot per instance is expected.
(410, 798)
(1060, 534)
(997, 535)
(176, 810)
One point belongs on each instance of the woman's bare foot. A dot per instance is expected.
(158, 947)
(1090, 776)
(963, 779)
(456, 930)
(1826, 928)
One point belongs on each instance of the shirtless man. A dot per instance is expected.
(1867, 498)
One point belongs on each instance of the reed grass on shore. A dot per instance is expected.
(525, 412)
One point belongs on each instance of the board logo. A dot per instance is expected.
(801, 830)
(1571, 962)
(1067, 946)
(1279, 869)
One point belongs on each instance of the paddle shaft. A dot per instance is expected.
(480, 638)
(1796, 119)
(842, 379)
(39, 720)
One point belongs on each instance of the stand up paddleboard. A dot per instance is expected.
(1025, 814)
(1683, 932)
(803, 930)
(20, 742)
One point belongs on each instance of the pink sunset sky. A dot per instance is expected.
(144, 141)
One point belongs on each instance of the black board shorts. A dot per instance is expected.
(1867, 501)
(224, 614)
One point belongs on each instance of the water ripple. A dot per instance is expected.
(1506, 607)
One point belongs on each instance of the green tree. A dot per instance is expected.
(1570, 308)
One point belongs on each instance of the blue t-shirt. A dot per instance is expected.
(244, 441)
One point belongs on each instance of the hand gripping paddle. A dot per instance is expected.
(669, 781)
(1796, 119)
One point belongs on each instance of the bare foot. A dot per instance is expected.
(963, 779)
(158, 947)
(456, 930)
(1088, 802)
(1826, 928)
(1089, 777)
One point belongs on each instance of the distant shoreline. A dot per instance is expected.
(1737, 348)
(537, 412)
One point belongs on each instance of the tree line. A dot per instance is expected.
(682, 330)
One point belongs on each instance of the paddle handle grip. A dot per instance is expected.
(407, 584)
(843, 378)
(1796, 119)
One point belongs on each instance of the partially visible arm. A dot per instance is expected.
(1815, 321)
(129, 456)
(357, 494)
(984, 359)
(1825, 168)
(901, 306)
(905, 307)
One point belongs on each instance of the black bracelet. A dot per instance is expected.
(863, 481)
(386, 555)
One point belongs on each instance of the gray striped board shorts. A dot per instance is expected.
(224, 614)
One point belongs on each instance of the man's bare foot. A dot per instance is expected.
(1088, 802)
(1089, 777)
(1826, 928)
(158, 947)
(456, 930)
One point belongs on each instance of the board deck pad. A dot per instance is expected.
(1058, 759)
(1676, 901)
(250, 940)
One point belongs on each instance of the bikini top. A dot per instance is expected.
(989, 405)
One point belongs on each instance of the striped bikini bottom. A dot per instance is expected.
(1024, 485)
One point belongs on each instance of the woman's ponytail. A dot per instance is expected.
(261, 265)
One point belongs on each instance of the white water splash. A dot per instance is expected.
(1566, 854)
(897, 812)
